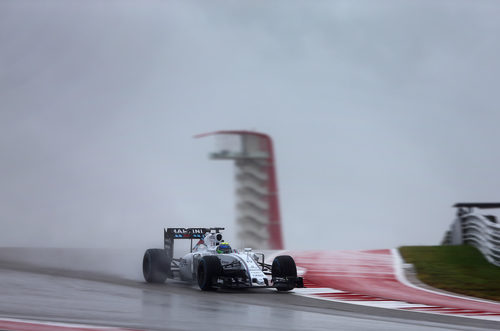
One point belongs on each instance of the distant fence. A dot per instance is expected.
(474, 228)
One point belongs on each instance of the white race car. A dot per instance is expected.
(213, 264)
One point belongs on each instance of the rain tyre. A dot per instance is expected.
(284, 267)
(209, 270)
(156, 265)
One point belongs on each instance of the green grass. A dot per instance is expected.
(459, 269)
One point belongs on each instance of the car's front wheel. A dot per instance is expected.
(209, 270)
(284, 273)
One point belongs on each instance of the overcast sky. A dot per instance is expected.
(383, 114)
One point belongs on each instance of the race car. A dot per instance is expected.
(213, 264)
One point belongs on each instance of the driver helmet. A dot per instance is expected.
(224, 248)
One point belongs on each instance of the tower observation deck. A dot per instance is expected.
(257, 204)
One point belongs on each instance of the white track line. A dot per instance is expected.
(401, 277)
(57, 324)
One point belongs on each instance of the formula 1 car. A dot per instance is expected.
(213, 264)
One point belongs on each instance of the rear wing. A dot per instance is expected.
(170, 234)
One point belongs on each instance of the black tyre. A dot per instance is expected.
(284, 272)
(155, 265)
(209, 269)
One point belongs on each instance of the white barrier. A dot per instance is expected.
(481, 231)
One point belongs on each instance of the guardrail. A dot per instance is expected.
(474, 228)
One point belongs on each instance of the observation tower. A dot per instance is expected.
(257, 204)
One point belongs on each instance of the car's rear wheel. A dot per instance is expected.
(209, 270)
(284, 272)
(155, 265)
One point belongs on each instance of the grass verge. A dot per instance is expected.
(459, 269)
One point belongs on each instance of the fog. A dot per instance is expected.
(383, 115)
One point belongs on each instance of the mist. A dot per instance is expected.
(383, 115)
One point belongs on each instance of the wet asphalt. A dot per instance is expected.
(34, 288)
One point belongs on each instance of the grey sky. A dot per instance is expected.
(383, 114)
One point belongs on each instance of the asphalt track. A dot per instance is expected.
(36, 288)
